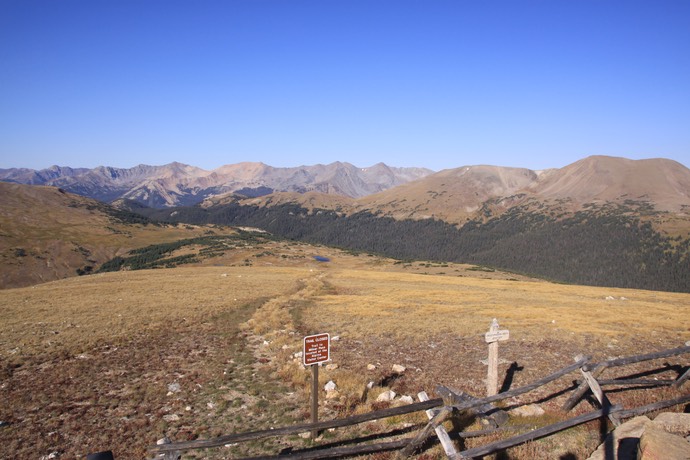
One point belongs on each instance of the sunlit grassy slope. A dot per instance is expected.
(47, 234)
(363, 302)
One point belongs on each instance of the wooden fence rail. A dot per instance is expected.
(596, 369)
(451, 401)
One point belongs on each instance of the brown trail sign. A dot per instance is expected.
(316, 349)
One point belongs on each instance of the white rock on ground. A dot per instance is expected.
(398, 368)
(174, 387)
(388, 395)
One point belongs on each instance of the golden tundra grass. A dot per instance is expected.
(432, 324)
(76, 313)
(414, 306)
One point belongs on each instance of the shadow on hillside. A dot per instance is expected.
(510, 376)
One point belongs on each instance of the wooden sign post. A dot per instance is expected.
(492, 338)
(316, 350)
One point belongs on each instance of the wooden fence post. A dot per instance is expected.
(582, 389)
(492, 338)
(441, 432)
(682, 379)
(600, 395)
(492, 373)
(315, 398)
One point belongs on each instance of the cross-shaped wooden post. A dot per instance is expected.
(492, 338)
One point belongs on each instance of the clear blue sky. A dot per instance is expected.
(439, 84)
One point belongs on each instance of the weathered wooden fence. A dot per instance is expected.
(440, 409)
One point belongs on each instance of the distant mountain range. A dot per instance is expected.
(455, 195)
(477, 192)
(452, 195)
(177, 184)
(601, 220)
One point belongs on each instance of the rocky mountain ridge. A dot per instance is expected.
(453, 195)
(177, 184)
(471, 192)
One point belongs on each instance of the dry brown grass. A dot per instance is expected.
(85, 363)
(57, 233)
(74, 314)
(413, 306)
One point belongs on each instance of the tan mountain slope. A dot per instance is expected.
(665, 183)
(309, 200)
(456, 195)
(452, 195)
(47, 234)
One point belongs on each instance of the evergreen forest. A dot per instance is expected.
(596, 246)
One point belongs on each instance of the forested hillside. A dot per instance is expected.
(601, 245)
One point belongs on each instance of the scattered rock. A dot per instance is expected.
(627, 439)
(162, 441)
(331, 390)
(672, 422)
(171, 417)
(305, 435)
(330, 386)
(335, 338)
(371, 367)
(371, 385)
(655, 443)
(174, 388)
(331, 367)
(609, 297)
(211, 405)
(406, 399)
(624, 440)
(399, 369)
(50, 456)
(530, 410)
(388, 395)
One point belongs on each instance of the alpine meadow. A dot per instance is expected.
(125, 324)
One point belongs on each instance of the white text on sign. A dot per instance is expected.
(316, 349)
(496, 336)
